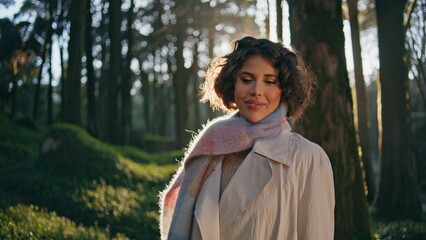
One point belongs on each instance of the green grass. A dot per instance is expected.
(401, 230)
(32, 222)
(17, 143)
(79, 184)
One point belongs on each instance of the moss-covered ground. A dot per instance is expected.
(61, 183)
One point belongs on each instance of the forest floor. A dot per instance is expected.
(61, 183)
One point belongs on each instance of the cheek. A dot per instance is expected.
(238, 90)
(276, 96)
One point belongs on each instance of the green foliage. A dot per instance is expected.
(12, 153)
(135, 154)
(16, 143)
(158, 138)
(403, 230)
(157, 144)
(89, 182)
(32, 222)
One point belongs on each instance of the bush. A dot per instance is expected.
(31, 222)
(403, 230)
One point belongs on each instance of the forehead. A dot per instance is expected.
(258, 64)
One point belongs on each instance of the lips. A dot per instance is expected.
(252, 104)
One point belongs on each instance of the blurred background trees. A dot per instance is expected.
(129, 72)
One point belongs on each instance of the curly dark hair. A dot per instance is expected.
(295, 78)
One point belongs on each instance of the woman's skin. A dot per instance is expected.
(257, 89)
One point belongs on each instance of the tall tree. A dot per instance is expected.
(92, 116)
(72, 102)
(114, 70)
(50, 89)
(361, 99)
(47, 43)
(317, 32)
(180, 79)
(397, 197)
(52, 14)
(279, 5)
(104, 56)
(126, 82)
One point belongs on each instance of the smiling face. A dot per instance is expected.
(257, 91)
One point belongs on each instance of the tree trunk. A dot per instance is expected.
(63, 77)
(267, 24)
(398, 197)
(212, 36)
(156, 103)
(59, 31)
(13, 93)
(145, 92)
(104, 78)
(361, 98)
(92, 116)
(40, 73)
(317, 32)
(72, 102)
(126, 82)
(279, 20)
(196, 120)
(180, 79)
(114, 71)
(50, 89)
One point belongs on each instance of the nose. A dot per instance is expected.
(256, 88)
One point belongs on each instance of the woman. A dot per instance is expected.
(246, 175)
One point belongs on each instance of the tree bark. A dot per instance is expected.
(361, 98)
(59, 31)
(267, 24)
(279, 20)
(14, 94)
(126, 83)
(317, 32)
(180, 79)
(397, 197)
(72, 102)
(145, 92)
(40, 73)
(92, 116)
(212, 37)
(114, 71)
(104, 78)
(50, 89)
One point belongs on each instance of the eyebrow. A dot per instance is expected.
(265, 75)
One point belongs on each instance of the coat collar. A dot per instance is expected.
(276, 149)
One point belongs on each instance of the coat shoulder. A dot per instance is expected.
(306, 154)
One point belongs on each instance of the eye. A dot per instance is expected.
(246, 80)
(270, 81)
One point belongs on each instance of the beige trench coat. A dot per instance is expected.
(282, 190)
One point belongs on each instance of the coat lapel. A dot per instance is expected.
(207, 206)
(252, 177)
(248, 182)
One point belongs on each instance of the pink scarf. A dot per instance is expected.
(221, 136)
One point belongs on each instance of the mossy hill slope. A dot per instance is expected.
(69, 185)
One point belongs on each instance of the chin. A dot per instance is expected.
(253, 119)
